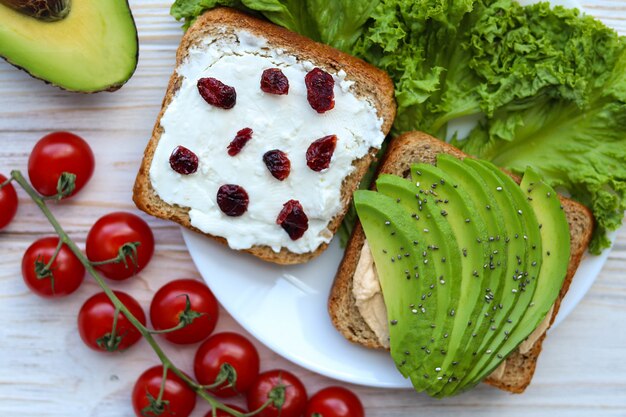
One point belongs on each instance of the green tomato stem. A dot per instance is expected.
(145, 332)
(179, 326)
(54, 255)
(162, 388)
(111, 342)
(5, 183)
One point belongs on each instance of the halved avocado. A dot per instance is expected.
(93, 48)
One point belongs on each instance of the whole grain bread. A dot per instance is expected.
(370, 83)
(416, 147)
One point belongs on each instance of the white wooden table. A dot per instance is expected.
(45, 370)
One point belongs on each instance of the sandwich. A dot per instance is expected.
(461, 324)
(263, 137)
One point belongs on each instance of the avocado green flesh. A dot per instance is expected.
(517, 293)
(491, 272)
(457, 205)
(555, 254)
(94, 48)
(443, 253)
(396, 246)
(448, 328)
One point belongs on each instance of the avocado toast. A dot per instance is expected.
(519, 366)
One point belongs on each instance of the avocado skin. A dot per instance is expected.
(112, 86)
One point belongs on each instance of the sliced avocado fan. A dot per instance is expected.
(93, 47)
(446, 260)
(469, 264)
(485, 284)
(523, 261)
(457, 205)
(402, 270)
(555, 254)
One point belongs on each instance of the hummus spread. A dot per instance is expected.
(371, 305)
(369, 297)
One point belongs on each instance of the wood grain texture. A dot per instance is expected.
(46, 371)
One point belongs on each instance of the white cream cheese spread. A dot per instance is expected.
(284, 122)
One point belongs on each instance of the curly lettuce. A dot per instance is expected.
(547, 83)
(338, 22)
(577, 146)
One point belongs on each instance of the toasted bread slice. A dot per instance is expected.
(416, 147)
(369, 83)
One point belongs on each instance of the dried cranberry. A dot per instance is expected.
(217, 93)
(319, 90)
(293, 219)
(242, 137)
(320, 152)
(278, 164)
(273, 81)
(232, 199)
(183, 161)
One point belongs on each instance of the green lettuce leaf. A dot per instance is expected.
(338, 23)
(547, 81)
(554, 96)
(578, 147)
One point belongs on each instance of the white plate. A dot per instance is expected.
(284, 307)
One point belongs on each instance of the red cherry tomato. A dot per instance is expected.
(295, 394)
(65, 274)
(95, 322)
(55, 154)
(8, 203)
(221, 413)
(170, 301)
(107, 236)
(335, 402)
(231, 348)
(178, 399)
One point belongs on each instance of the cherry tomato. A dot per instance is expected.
(295, 394)
(170, 301)
(335, 402)
(95, 323)
(221, 413)
(231, 348)
(8, 203)
(55, 154)
(178, 399)
(107, 236)
(63, 277)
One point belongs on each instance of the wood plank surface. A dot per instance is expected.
(45, 370)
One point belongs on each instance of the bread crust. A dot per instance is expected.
(370, 83)
(415, 147)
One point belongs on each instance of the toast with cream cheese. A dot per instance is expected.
(235, 49)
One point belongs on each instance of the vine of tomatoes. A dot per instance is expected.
(184, 311)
